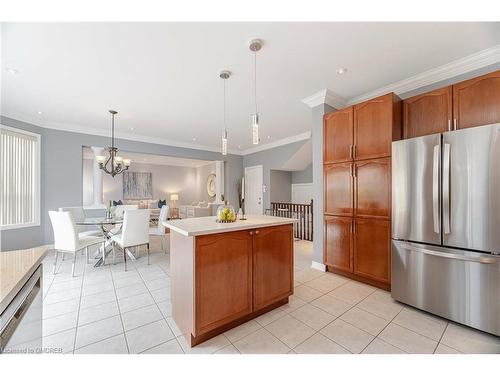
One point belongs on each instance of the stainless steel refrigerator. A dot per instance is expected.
(446, 225)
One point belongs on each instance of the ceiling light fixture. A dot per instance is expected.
(132, 129)
(118, 164)
(341, 71)
(194, 139)
(255, 46)
(40, 112)
(12, 70)
(224, 74)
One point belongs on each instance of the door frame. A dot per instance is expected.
(261, 167)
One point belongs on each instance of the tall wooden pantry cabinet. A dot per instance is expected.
(357, 188)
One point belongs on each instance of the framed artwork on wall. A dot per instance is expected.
(137, 185)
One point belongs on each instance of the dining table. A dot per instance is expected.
(108, 227)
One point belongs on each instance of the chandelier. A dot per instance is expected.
(114, 164)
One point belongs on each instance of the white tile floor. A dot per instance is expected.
(107, 310)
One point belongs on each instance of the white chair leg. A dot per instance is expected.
(55, 263)
(87, 254)
(125, 258)
(73, 265)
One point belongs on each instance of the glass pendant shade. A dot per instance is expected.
(255, 129)
(100, 159)
(224, 142)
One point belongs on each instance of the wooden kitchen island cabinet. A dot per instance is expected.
(223, 275)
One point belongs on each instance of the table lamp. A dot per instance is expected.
(174, 198)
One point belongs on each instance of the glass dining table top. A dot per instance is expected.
(99, 221)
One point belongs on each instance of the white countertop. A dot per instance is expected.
(16, 267)
(198, 226)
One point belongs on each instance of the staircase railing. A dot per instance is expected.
(303, 229)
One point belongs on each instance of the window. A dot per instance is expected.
(20, 178)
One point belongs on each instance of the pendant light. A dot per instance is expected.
(254, 46)
(116, 163)
(224, 74)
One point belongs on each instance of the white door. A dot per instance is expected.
(253, 190)
(302, 193)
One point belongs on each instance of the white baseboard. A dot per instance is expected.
(318, 266)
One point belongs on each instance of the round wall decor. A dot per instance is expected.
(211, 185)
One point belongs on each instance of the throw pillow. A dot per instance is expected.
(162, 203)
(117, 203)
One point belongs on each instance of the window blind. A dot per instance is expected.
(20, 181)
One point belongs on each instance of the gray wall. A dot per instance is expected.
(317, 169)
(280, 188)
(167, 179)
(303, 177)
(62, 175)
(273, 158)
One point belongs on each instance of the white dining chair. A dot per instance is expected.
(159, 230)
(135, 232)
(119, 211)
(67, 239)
(79, 216)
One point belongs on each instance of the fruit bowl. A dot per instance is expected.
(225, 214)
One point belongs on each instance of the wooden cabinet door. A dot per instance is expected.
(272, 265)
(338, 136)
(338, 189)
(374, 124)
(338, 242)
(222, 260)
(428, 113)
(372, 249)
(372, 188)
(477, 101)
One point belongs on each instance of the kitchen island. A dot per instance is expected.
(224, 274)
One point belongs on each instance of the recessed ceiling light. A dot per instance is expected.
(12, 70)
(40, 112)
(132, 129)
(239, 146)
(194, 139)
(341, 71)
(268, 137)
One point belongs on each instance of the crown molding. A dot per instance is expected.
(325, 96)
(455, 68)
(281, 142)
(105, 133)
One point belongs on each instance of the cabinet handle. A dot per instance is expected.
(449, 125)
(256, 232)
(251, 233)
(455, 124)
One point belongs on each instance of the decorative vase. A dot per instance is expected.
(225, 214)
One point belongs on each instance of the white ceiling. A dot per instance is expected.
(153, 159)
(163, 80)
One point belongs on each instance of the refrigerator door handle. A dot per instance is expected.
(446, 189)
(435, 189)
(441, 254)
